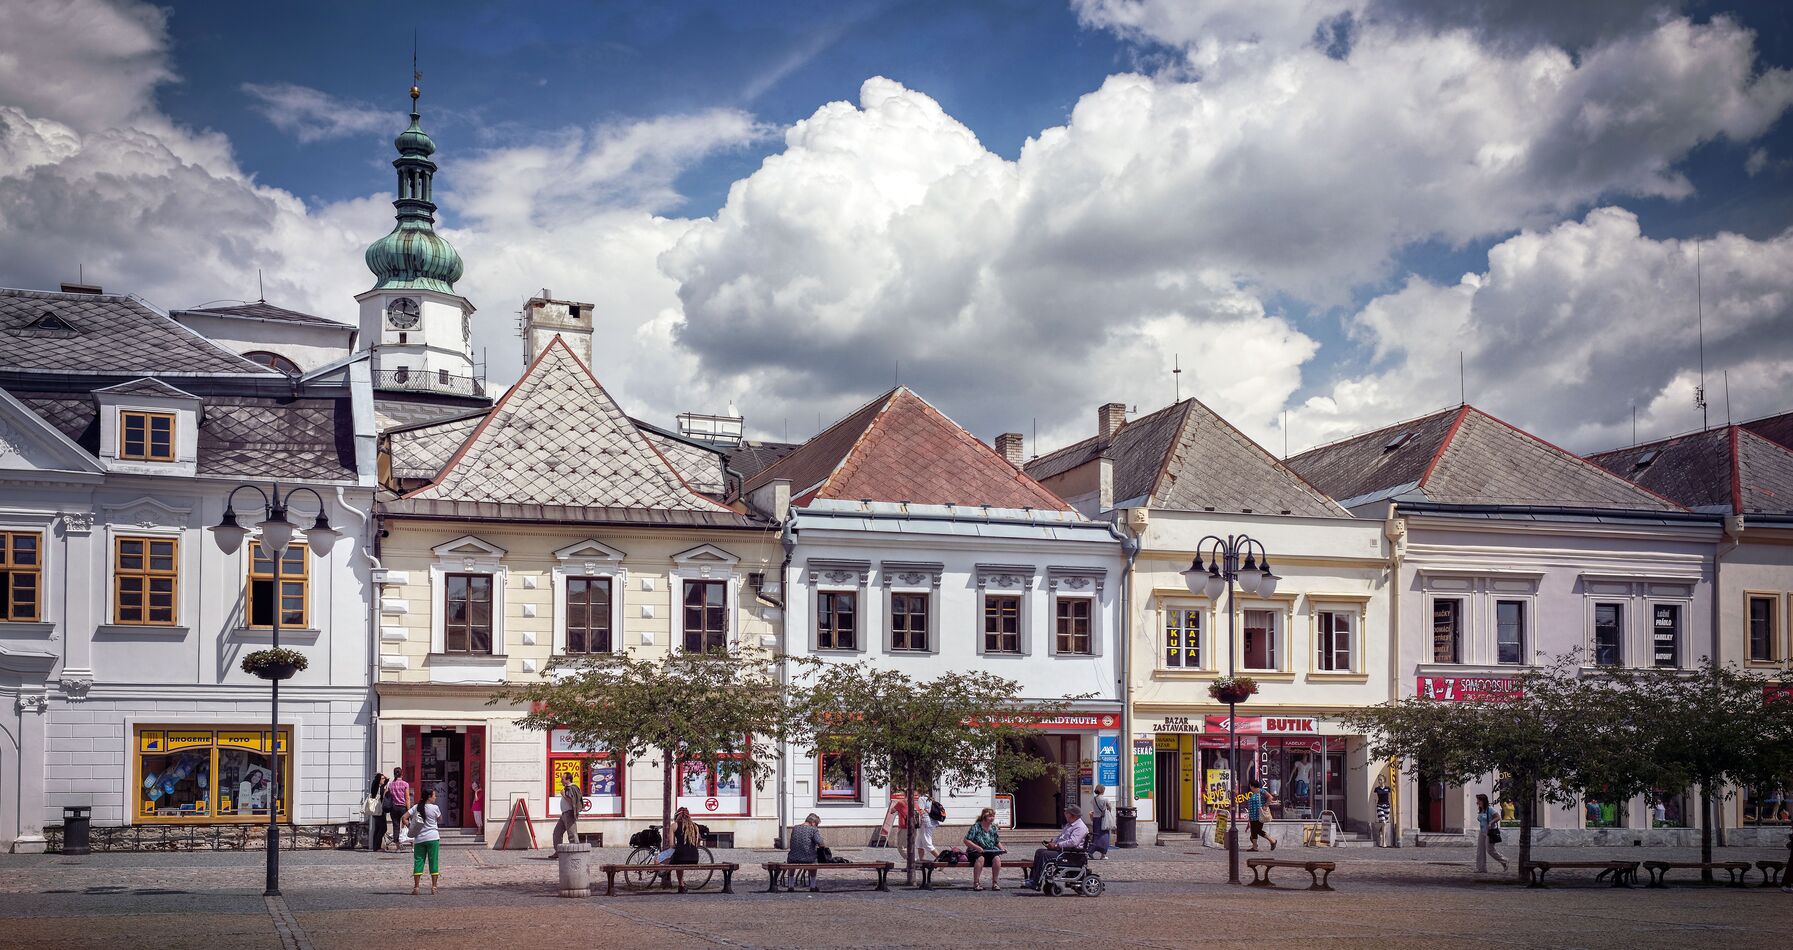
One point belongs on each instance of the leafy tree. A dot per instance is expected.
(957, 728)
(694, 707)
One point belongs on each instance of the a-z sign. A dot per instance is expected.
(1469, 689)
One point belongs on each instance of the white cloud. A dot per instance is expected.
(312, 115)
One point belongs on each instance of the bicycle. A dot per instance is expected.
(646, 856)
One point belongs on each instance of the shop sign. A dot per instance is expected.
(1004, 804)
(1145, 767)
(148, 741)
(1108, 761)
(1777, 694)
(1176, 724)
(1268, 725)
(186, 739)
(1064, 721)
(1469, 689)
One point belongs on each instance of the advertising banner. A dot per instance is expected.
(1469, 689)
(1268, 725)
(1108, 761)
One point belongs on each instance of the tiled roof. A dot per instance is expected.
(420, 451)
(395, 411)
(1464, 456)
(558, 440)
(1776, 429)
(262, 310)
(898, 448)
(750, 458)
(1731, 469)
(146, 387)
(239, 436)
(701, 468)
(109, 334)
(1185, 456)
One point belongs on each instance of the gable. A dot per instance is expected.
(28, 443)
(1214, 465)
(467, 546)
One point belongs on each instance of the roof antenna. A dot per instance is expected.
(1462, 382)
(1727, 397)
(896, 374)
(1699, 309)
(1036, 436)
(787, 428)
(1634, 422)
(1285, 435)
(1176, 375)
(261, 293)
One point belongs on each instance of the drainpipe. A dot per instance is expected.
(788, 538)
(1728, 542)
(1127, 835)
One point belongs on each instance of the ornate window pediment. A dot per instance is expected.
(1005, 577)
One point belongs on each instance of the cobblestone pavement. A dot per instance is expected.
(1158, 898)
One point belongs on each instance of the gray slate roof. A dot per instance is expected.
(420, 451)
(751, 458)
(701, 468)
(558, 440)
(1729, 469)
(113, 335)
(147, 387)
(262, 310)
(1185, 456)
(1464, 456)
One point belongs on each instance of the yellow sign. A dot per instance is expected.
(253, 741)
(152, 742)
(188, 740)
(1167, 743)
(564, 769)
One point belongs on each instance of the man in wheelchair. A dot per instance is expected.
(1063, 850)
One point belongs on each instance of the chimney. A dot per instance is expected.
(1110, 418)
(1009, 444)
(69, 288)
(545, 318)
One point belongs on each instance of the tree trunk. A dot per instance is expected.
(1524, 807)
(1706, 829)
(666, 800)
(909, 847)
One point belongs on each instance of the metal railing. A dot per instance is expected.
(428, 381)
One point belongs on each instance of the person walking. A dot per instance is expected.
(1072, 837)
(1256, 802)
(983, 842)
(1101, 824)
(1487, 819)
(806, 842)
(1384, 811)
(570, 804)
(375, 810)
(928, 816)
(426, 840)
(398, 801)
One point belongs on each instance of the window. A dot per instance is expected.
(593, 770)
(442, 377)
(1260, 640)
(588, 615)
(205, 774)
(836, 620)
(1509, 631)
(1183, 638)
(21, 575)
(706, 616)
(1767, 804)
(1764, 629)
(146, 436)
(1337, 645)
(1074, 626)
(1447, 630)
(908, 621)
(719, 789)
(145, 579)
(1609, 631)
(837, 775)
(1002, 623)
(1665, 635)
(1669, 809)
(1604, 814)
(467, 619)
(273, 361)
(293, 566)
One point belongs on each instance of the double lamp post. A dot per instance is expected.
(1220, 574)
(276, 535)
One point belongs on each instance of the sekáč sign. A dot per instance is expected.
(1469, 689)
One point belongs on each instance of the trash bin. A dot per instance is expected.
(74, 829)
(1126, 827)
(575, 869)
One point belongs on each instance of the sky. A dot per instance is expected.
(1318, 209)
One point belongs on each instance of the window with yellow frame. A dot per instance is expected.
(294, 584)
(145, 581)
(146, 436)
(199, 773)
(21, 575)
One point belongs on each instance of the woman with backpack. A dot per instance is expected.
(926, 820)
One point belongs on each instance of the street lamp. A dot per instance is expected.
(276, 535)
(1222, 571)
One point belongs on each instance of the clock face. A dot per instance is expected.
(402, 314)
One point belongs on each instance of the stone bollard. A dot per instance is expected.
(575, 869)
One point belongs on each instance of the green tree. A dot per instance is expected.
(723, 710)
(955, 729)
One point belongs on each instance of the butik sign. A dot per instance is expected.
(1268, 725)
(1469, 689)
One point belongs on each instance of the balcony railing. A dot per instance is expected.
(428, 381)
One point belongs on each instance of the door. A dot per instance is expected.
(1170, 803)
(1332, 788)
(1431, 804)
(441, 764)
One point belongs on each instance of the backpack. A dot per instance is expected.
(937, 813)
(392, 801)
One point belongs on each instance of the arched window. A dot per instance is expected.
(273, 361)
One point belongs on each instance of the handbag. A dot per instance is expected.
(371, 807)
(414, 821)
(1494, 834)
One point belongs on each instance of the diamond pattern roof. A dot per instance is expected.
(112, 334)
(262, 310)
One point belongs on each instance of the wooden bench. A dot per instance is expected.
(1623, 872)
(1771, 872)
(1659, 870)
(1319, 871)
(669, 870)
(776, 868)
(929, 867)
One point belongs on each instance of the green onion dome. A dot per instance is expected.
(413, 255)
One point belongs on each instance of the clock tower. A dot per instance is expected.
(419, 330)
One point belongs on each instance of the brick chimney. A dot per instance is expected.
(1110, 418)
(1010, 444)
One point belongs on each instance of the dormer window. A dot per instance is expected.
(48, 323)
(1644, 460)
(146, 436)
(273, 361)
(1399, 440)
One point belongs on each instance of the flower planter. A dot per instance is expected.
(1232, 696)
(277, 671)
(275, 664)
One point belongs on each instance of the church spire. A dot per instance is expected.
(413, 255)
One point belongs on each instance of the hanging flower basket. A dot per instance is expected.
(1233, 689)
(275, 664)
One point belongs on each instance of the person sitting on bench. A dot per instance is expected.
(984, 843)
(1072, 837)
(806, 842)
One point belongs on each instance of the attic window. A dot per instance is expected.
(1399, 440)
(49, 324)
(1644, 460)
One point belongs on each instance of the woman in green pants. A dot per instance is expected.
(426, 840)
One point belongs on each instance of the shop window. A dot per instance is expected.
(908, 621)
(1665, 635)
(1509, 631)
(714, 789)
(706, 617)
(837, 621)
(838, 776)
(21, 575)
(1002, 623)
(588, 615)
(200, 774)
(1074, 626)
(467, 620)
(1337, 644)
(1609, 634)
(1603, 814)
(1182, 638)
(1670, 809)
(1447, 630)
(293, 584)
(594, 771)
(146, 436)
(1764, 629)
(145, 581)
(1767, 804)
(1260, 645)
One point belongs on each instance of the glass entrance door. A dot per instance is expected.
(441, 765)
(1170, 802)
